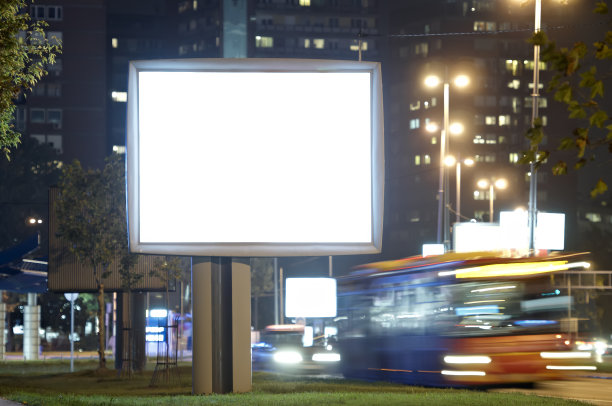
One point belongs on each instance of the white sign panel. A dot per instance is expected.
(310, 297)
(255, 157)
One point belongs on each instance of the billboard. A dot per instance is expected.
(255, 157)
(310, 297)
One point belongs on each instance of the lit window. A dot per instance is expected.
(427, 159)
(542, 102)
(415, 123)
(490, 139)
(415, 106)
(195, 4)
(114, 42)
(479, 25)
(119, 149)
(306, 43)
(529, 65)
(434, 140)
(514, 84)
(593, 217)
(264, 42)
(421, 49)
(512, 65)
(355, 47)
(318, 43)
(490, 120)
(478, 139)
(514, 157)
(305, 3)
(120, 97)
(504, 119)
(417, 160)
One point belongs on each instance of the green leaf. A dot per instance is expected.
(566, 143)
(598, 118)
(560, 168)
(597, 89)
(576, 110)
(564, 93)
(600, 188)
(601, 7)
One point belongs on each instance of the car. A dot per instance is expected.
(281, 349)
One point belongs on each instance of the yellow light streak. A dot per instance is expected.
(514, 269)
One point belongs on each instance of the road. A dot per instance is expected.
(597, 391)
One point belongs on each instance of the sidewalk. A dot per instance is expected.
(4, 402)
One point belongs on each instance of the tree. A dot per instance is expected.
(91, 216)
(25, 53)
(579, 83)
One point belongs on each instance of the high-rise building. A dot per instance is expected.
(487, 40)
(66, 109)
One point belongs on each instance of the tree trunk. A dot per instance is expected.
(102, 327)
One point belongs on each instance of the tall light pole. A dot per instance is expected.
(443, 214)
(450, 161)
(492, 184)
(533, 170)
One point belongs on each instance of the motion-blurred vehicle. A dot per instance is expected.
(281, 348)
(471, 319)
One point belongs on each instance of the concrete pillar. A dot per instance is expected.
(31, 325)
(2, 323)
(221, 325)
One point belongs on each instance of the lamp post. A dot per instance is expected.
(443, 215)
(533, 170)
(450, 161)
(492, 184)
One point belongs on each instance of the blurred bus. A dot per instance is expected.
(469, 319)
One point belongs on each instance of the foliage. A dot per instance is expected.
(25, 53)
(24, 190)
(91, 216)
(579, 83)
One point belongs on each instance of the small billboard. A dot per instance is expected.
(255, 157)
(310, 297)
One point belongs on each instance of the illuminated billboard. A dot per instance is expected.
(255, 157)
(310, 297)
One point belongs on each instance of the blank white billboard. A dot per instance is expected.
(310, 297)
(255, 157)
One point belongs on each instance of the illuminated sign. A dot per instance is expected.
(310, 297)
(255, 157)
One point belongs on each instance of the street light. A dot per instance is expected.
(450, 161)
(533, 170)
(434, 81)
(492, 184)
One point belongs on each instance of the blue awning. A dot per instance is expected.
(18, 274)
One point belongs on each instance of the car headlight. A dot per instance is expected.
(288, 357)
(326, 357)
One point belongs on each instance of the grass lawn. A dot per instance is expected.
(48, 383)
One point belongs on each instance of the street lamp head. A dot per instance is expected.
(431, 127)
(456, 128)
(449, 160)
(501, 183)
(432, 81)
(483, 183)
(468, 161)
(462, 81)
